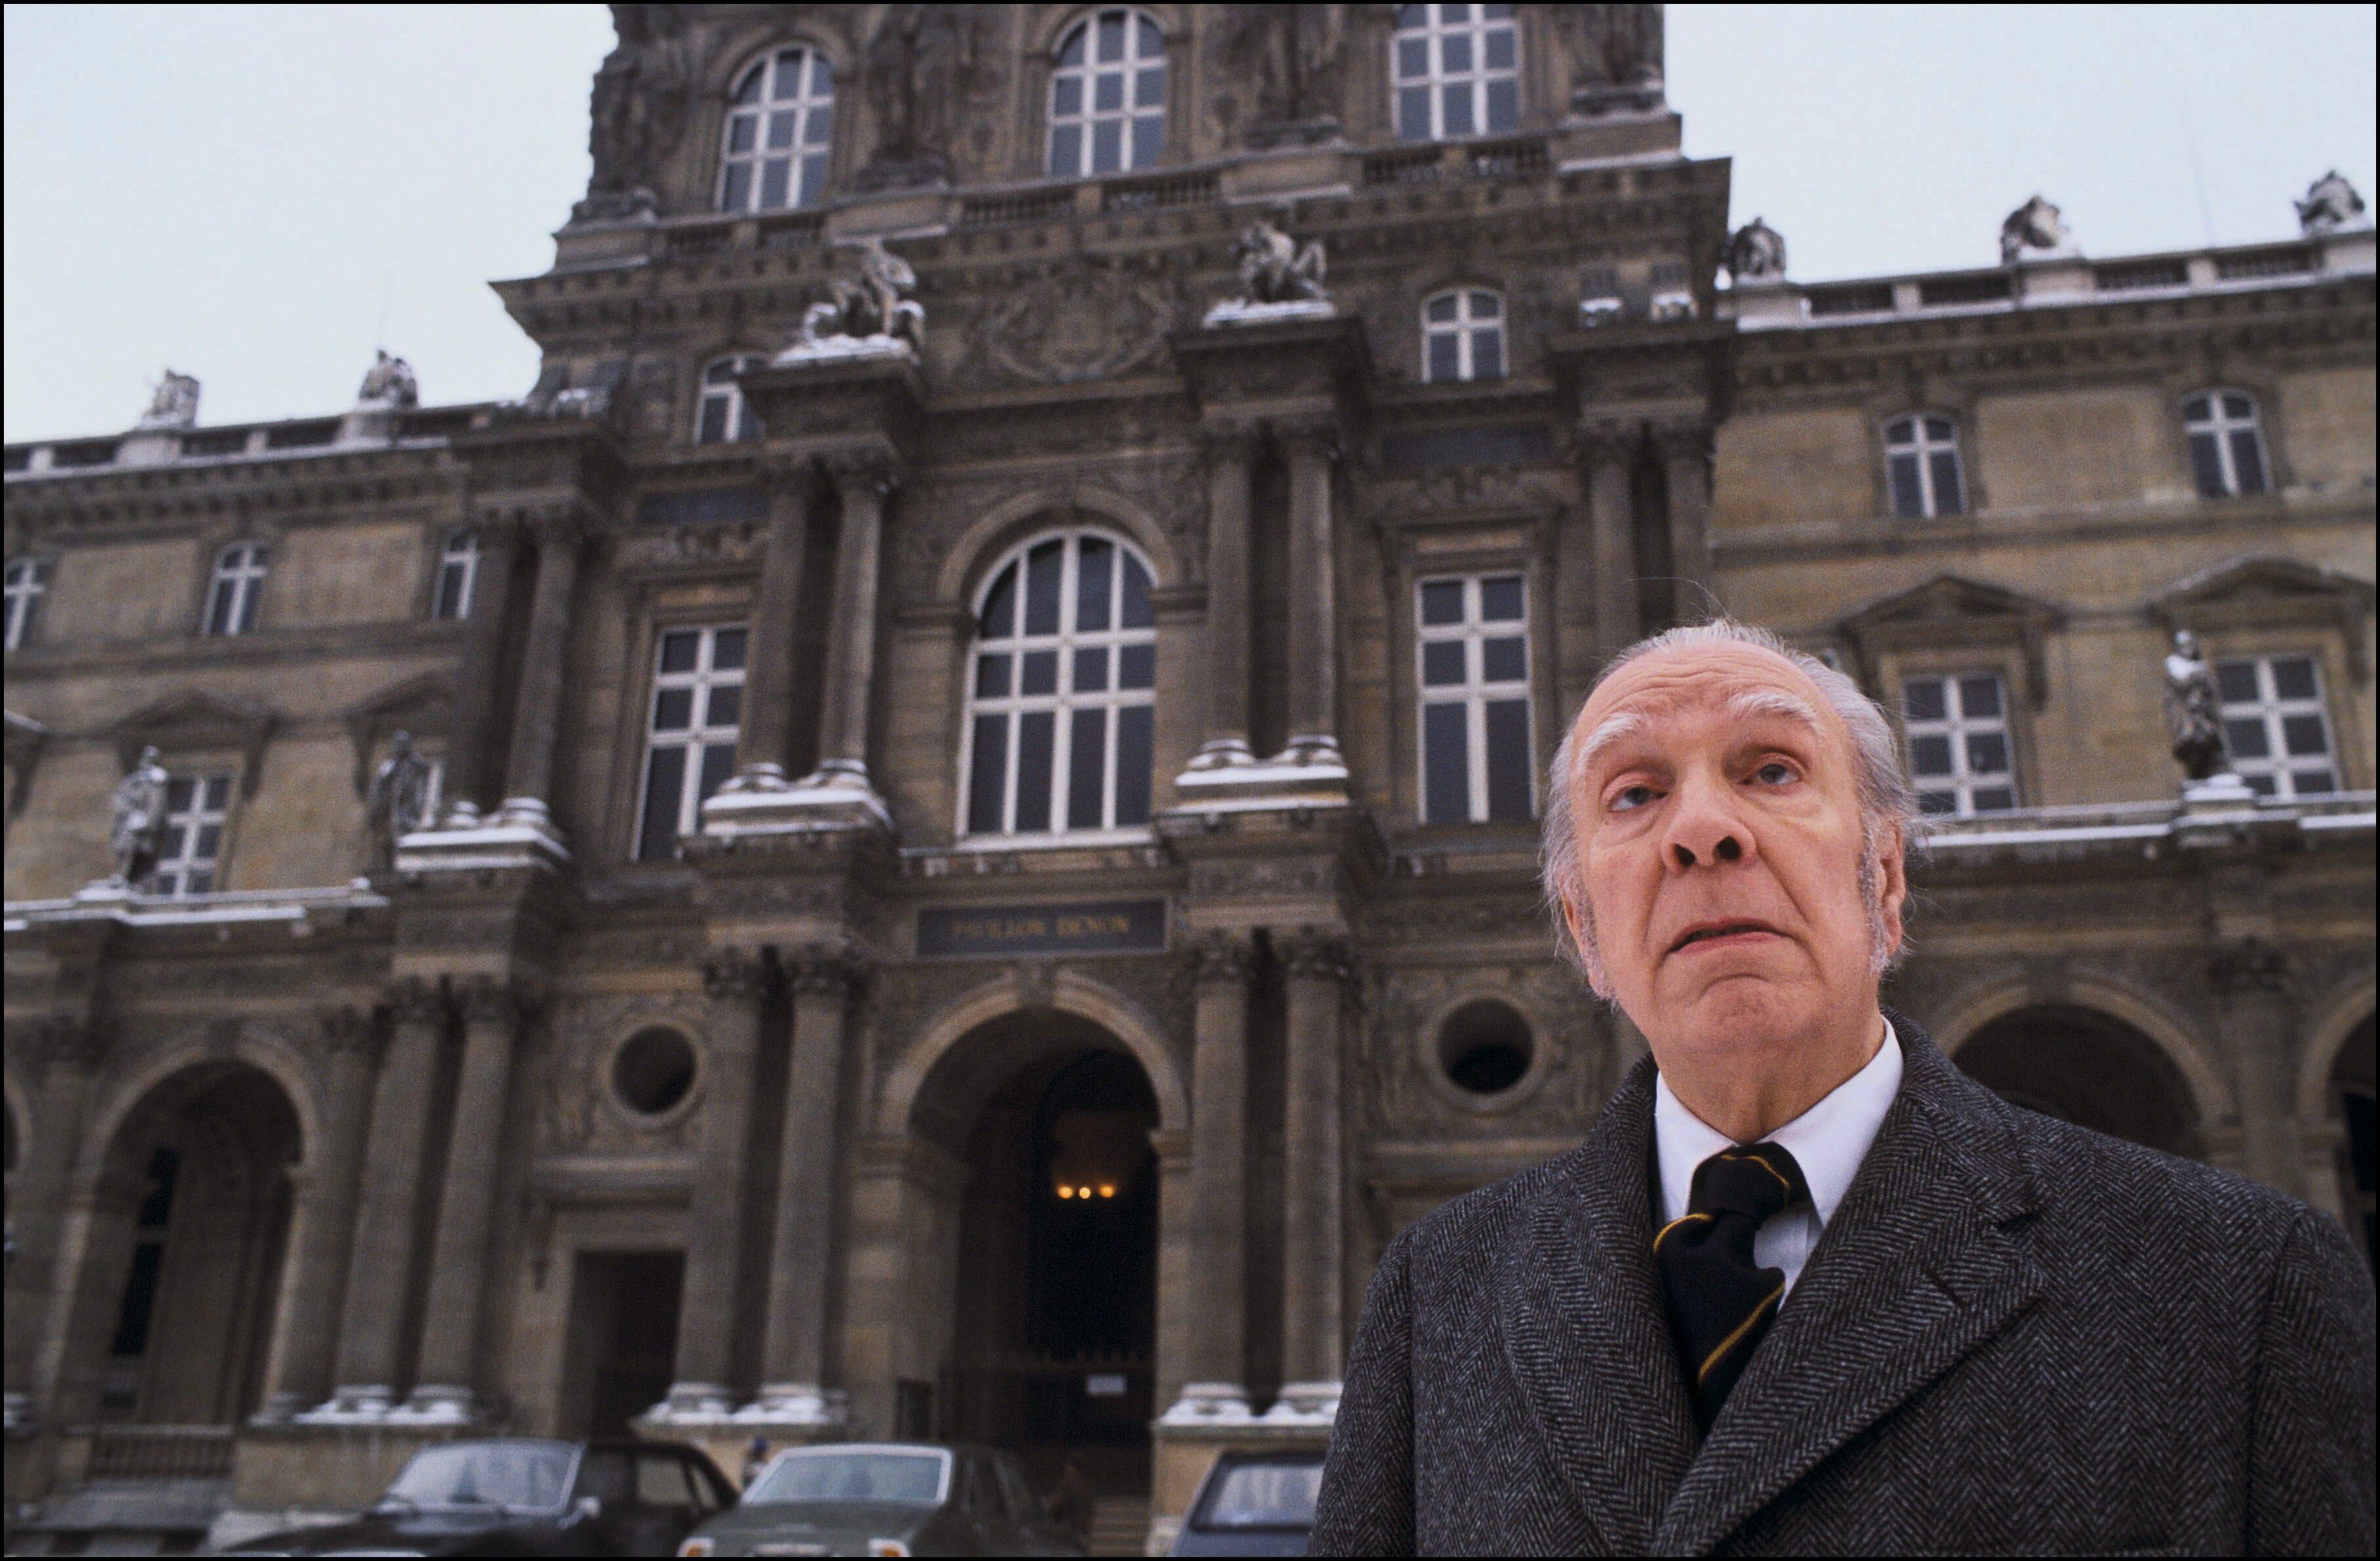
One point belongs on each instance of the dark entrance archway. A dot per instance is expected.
(2087, 1068)
(1055, 1321)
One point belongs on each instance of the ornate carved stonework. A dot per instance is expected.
(827, 970)
(736, 975)
(2248, 965)
(1222, 956)
(1076, 322)
(417, 1001)
(1568, 1078)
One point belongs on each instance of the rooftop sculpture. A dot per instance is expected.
(173, 403)
(868, 312)
(2035, 229)
(389, 383)
(1756, 253)
(2329, 205)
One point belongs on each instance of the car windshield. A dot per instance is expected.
(1264, 1496)
(912, 1478)
(520, 1476)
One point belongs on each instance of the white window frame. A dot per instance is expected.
(1063, 701)
(206, 804)
(699, 734)
(29, 582)
(754, 109)
(458, 562)
(1084, 79)
(1956, 726)
(1476, 692)
(233, 594)
(2223, 426)
(1481, 22)
(736, 417)
(2278, 766)
(1922, 445)
(1466, 329)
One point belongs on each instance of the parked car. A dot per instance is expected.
(525, 1496)
(1253, 1504)
(886, 1498)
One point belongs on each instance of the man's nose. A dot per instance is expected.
(1706, 826)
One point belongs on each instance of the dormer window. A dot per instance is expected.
(1456, 71)
(774, 153)
(1107, 97)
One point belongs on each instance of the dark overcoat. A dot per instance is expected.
(2014, 1335)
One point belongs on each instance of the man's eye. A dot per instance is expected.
(1628, 798)
(1776, 773)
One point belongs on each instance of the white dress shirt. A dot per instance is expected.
(1827, 1142)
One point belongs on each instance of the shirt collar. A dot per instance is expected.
(1829, 1141)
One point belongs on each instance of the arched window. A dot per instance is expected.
(1060, 714)
(458, 572)
(1462, 336)
(1456, 71)
(2226, 447)
(1921, 458)
(29, 581)
(778, 123)
(720, 415)
(238, 585)
(1107, 96)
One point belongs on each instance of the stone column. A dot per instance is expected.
(1313, 1242)
(861, 480)
(380, 1258)
(794, 1362)
(38, 1192)
(768, 670)
(1686, 462)
(1312, 627)
(1609, 450)
(1231, 457)
(493, 1012)
(1215, 1374)
(2251, 981)
(478, 684)
(737, 981)
(537, 720)
(306, 1317)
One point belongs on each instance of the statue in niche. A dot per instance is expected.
(2035, 225)
(398, 803)
(1616, 57)
(1274, 270)
(136, 826)
(1756, 253)
(1293, 55)
(389, 383)
(638, 112)
(870, 305)
(2330, 204)
(173, 402)
(922, 61)
(2195, 709)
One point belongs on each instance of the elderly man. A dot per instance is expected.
(1804, 1287)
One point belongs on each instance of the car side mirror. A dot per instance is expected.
(587, 1508)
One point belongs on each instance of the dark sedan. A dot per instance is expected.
(521, 1496)
(1253, 1504)
(886, 1498)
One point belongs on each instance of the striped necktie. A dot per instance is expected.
(1720, 1300)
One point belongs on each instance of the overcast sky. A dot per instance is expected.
(259, 196)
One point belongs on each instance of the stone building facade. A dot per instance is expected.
(964, 853)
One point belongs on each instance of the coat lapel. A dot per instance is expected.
(1916, 1270)
(1586, 1337)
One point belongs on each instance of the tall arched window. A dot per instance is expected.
(2226, 447)
(237, 586)
(778, 123)
(1107, 96)
(1921, 457)
(1061, 715)
(1457, 71)
(1462, 336)
(720, 415)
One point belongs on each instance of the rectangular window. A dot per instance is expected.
(190, 850)
(1472, 666)
(696, 715)
(1960, 759)
(2278, 725)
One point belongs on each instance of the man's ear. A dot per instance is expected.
(1893, 885)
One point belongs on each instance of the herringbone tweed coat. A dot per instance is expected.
(2015, 1335)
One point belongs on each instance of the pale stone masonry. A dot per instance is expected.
(978, 909)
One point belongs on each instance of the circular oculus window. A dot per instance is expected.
(1485, 1048)
(652, 1071)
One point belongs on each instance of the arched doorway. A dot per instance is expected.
(2351, 1105)
(1054, 1315)
(2087, 1068)
(186, 1245)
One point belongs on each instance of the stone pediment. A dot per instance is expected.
(197, 720)
(420, 705)
(2258, 590)
(1952, 609)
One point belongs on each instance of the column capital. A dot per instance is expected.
(1318, 952)
(1222, 957)
(1682, 441)
(567, 526)
(1309, 436)
(489, 1000)
(1609, 440)
(2249, 964)
(417, 1000)
(867, 467)
(734, 974)
(347, 1031)
(1220, 442)
(827, 970)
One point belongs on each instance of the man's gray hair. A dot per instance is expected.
(1885, 798)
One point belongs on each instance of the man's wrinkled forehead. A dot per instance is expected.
(1746, 680)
